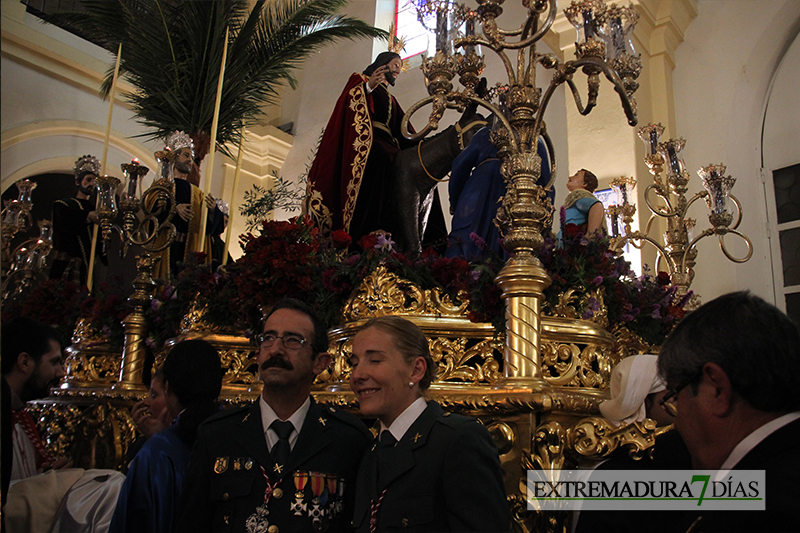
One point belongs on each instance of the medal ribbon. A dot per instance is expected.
(270, 486)
(374, 507)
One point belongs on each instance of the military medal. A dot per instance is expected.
(221, 465)
(300, 480)
(332, 482)
(258, 522)
(317, 511)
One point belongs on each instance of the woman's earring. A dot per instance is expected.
(410, 383)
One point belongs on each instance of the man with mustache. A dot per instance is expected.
(284, 463)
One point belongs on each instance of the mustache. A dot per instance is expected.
(278, 362)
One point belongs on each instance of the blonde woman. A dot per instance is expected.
(428, 470)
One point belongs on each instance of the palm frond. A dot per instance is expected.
(172, 51)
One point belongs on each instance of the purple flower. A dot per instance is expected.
(598, 280)
(155, 304)
(150, 343)
(478, 240)
(168, 291)
(656, 312)
(384, 243)
(587, 314)
(475, 275)
(626, 317)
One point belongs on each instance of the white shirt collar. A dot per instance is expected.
(268, 416)
(753, 439)
(406, 418)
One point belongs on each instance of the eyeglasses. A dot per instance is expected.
(290, 342)
(668, 401)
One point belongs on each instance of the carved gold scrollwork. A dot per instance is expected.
(559, 362)
(596, 437)
(453, 356)
(383, 293)
(239, 366)
(92, 366)
(94, 436)
(568, 365)
(547, 447)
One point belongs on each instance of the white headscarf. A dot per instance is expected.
(631, 381)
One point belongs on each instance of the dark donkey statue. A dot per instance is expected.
(417, 171)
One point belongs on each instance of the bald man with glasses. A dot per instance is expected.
(284, 463)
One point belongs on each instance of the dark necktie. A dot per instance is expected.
(281, 450)
(385, 447)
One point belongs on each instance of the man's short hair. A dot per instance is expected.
(589, 180)
(755, 343)
(410, 340)
(25, 335)
(319, 342)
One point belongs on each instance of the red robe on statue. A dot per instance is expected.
(348, 183)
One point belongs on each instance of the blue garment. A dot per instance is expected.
(149, 497)
(578, 214)
(476, 189)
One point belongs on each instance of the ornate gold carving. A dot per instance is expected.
(94, 436)
(383, 293)
(91, 366)
(596, 437)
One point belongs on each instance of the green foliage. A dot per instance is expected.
(260, 201)
(172, 51)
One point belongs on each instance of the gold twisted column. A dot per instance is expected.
(523, 279)
(134, 352)
(522, 284)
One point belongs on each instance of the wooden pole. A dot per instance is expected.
(210, 162)
(236, 175)
(111, 96)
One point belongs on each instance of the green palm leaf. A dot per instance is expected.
(172, 50)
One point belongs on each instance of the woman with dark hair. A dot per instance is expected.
(429, 470)
(192, 382)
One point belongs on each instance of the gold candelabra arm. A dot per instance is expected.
(659, 210)
(564, 74)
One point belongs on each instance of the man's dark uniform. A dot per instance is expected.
(72, 235)
(312, 492)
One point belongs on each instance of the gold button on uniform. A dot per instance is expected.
(272, 529)
(225, 497)
(404, 521)
(227, 519)
(278, 493)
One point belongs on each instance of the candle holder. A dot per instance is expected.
(679, 250)
(29, 262)
(525, 210)
(16, 217)
(146, 222)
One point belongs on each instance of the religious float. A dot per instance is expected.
(525, 344)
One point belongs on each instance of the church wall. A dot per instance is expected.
(722, 79)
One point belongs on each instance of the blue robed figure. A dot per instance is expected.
(476, 190)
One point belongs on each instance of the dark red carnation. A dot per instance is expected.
(663, 278)
(341, 239)
(368, 242)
